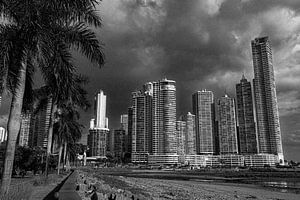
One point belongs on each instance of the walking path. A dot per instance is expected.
(68, 190)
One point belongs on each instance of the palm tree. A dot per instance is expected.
(61, 92)
(67, 129)
(26, 39)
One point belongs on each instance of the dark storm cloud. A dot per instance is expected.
(200, 44)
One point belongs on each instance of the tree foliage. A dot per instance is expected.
(31, 159)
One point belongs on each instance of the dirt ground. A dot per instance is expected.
(172, 189)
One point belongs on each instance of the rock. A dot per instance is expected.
(251, 197)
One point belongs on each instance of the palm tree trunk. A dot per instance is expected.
(65, 154)
(50, 136)
(13, 128)
(68, 162)
(59, 158)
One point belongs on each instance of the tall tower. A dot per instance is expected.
(267, 116)
(190, 137)
(39, 125)
(180, 134)
(130, 121)
(25, 128)
(202, 108)
(124, 123)
(3, 134)
(100, 110)
(98, 136)
(227, 126)
(141, 126)
(247, 134)
(164, 116)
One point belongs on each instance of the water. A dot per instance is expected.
(283, 186)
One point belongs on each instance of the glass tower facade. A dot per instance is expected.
(202, 108)
(267, 116)
(246, 125)
(227, 126)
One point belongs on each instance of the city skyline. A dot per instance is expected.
(149, 42)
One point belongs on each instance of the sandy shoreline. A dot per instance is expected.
(163, 189)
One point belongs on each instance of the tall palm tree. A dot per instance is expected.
(26, 40)
(67, 128)
(61, 92)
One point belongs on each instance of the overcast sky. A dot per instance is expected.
(201, 44)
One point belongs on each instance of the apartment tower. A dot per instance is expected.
(163, 94)
(190, 137)
(246, 125)
(141, 126)
(99, 132)
(267, 116)
(202, 108)
(227, 125)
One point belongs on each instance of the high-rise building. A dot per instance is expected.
(163, 94)
(110, 139)
(141, 126)
(25, 129)
(119, 143)
(39, 125)
(267, 116)
(202, 108)
(129, 137)
(190, 137)
(124, 123)
(180, 134)
(227, 126)
(100, 110)
(99, 133)
(246, 125)
(97, 140)
(3, 135)
(154, 121)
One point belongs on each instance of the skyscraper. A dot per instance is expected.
(129, 139)
(180, 134)
(3, 135)
(202, 108)
(100, 110)
(124, 126)
(247, 134)
(97, 142)
(39, 126)
(119, 143)
(227, 126)
(25, 129)
(124, 123)
(154, 121)
(141, 126)
(267, 116)
(99, 132)
(163, 94)
(190, 137)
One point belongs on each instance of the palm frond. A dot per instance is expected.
(75, 11)
(84, 40)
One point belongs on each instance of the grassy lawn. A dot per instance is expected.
(31, 188)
